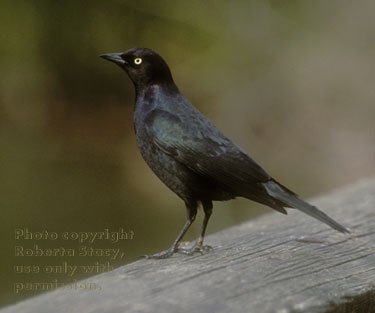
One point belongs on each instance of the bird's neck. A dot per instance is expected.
(150, 92)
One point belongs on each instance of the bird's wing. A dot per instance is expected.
(201, 147)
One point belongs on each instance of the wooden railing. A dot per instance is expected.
(271, 264)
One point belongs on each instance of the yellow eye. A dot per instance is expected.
(137, 61)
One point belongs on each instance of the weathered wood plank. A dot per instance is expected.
(271, 264)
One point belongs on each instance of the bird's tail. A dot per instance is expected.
(282, 194)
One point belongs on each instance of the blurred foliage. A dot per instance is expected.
(290, 81)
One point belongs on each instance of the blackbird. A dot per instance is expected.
(191, 155)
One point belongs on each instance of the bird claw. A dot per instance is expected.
(161, 255)
(168, 253)
(200, 249)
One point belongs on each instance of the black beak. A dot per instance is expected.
(114, 57)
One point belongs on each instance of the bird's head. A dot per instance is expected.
(144, 67)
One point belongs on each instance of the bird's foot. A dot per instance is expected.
(161, 255)
(196, 248)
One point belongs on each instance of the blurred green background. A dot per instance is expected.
(292, 82)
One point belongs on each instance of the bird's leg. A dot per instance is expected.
(198, 245)
(191, 214)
